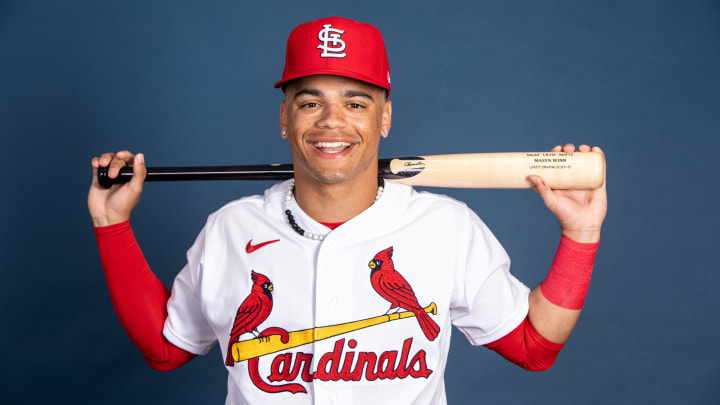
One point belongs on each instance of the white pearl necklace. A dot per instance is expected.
(310, 235)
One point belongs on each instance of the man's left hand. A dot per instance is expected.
(579, 212)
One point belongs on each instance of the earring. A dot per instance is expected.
(283, 133)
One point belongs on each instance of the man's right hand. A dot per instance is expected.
(115, 204)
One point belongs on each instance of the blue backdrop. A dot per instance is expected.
(190, 83)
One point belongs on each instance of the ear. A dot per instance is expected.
(386, 119)
(283, 118)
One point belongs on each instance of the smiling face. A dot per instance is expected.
(334, 125)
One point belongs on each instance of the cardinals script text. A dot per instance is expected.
(340, 364)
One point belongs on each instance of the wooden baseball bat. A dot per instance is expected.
(578, 170)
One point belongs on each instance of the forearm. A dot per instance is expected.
(555, 305)
(137, 295)
(553, 322)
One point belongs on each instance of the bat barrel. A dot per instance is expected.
(577, 170)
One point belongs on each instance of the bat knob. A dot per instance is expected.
(105, 181)
(102, 176)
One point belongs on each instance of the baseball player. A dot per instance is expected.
(334, 286)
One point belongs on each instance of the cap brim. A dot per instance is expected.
(340, 73)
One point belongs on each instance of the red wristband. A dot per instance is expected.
(567, 282)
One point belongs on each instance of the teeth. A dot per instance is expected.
(332, 147)
(332, 144)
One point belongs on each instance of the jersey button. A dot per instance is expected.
(333, 302)
(331, 399)
(332, 244)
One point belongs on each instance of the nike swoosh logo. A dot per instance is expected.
(251, 248)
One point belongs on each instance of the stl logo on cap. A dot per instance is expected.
(327, 36)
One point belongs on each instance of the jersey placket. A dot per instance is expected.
(331, 294)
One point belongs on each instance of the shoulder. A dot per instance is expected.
(424, 201)
(261, 206)
(437, 211)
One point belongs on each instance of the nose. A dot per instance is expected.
(332, 117)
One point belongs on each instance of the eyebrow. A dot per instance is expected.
(357, 93)
(310, 92)
(345, 93)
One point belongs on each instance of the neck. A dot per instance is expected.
(336, 202)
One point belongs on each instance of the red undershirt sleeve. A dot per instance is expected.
(525, 347)
(138, 297)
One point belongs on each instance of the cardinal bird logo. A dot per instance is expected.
(393, 287)
(252, 312)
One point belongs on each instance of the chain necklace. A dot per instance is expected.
(309, 235)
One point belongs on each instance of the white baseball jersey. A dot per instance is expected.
(249, 271)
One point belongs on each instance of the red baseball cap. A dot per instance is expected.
(339, 47)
